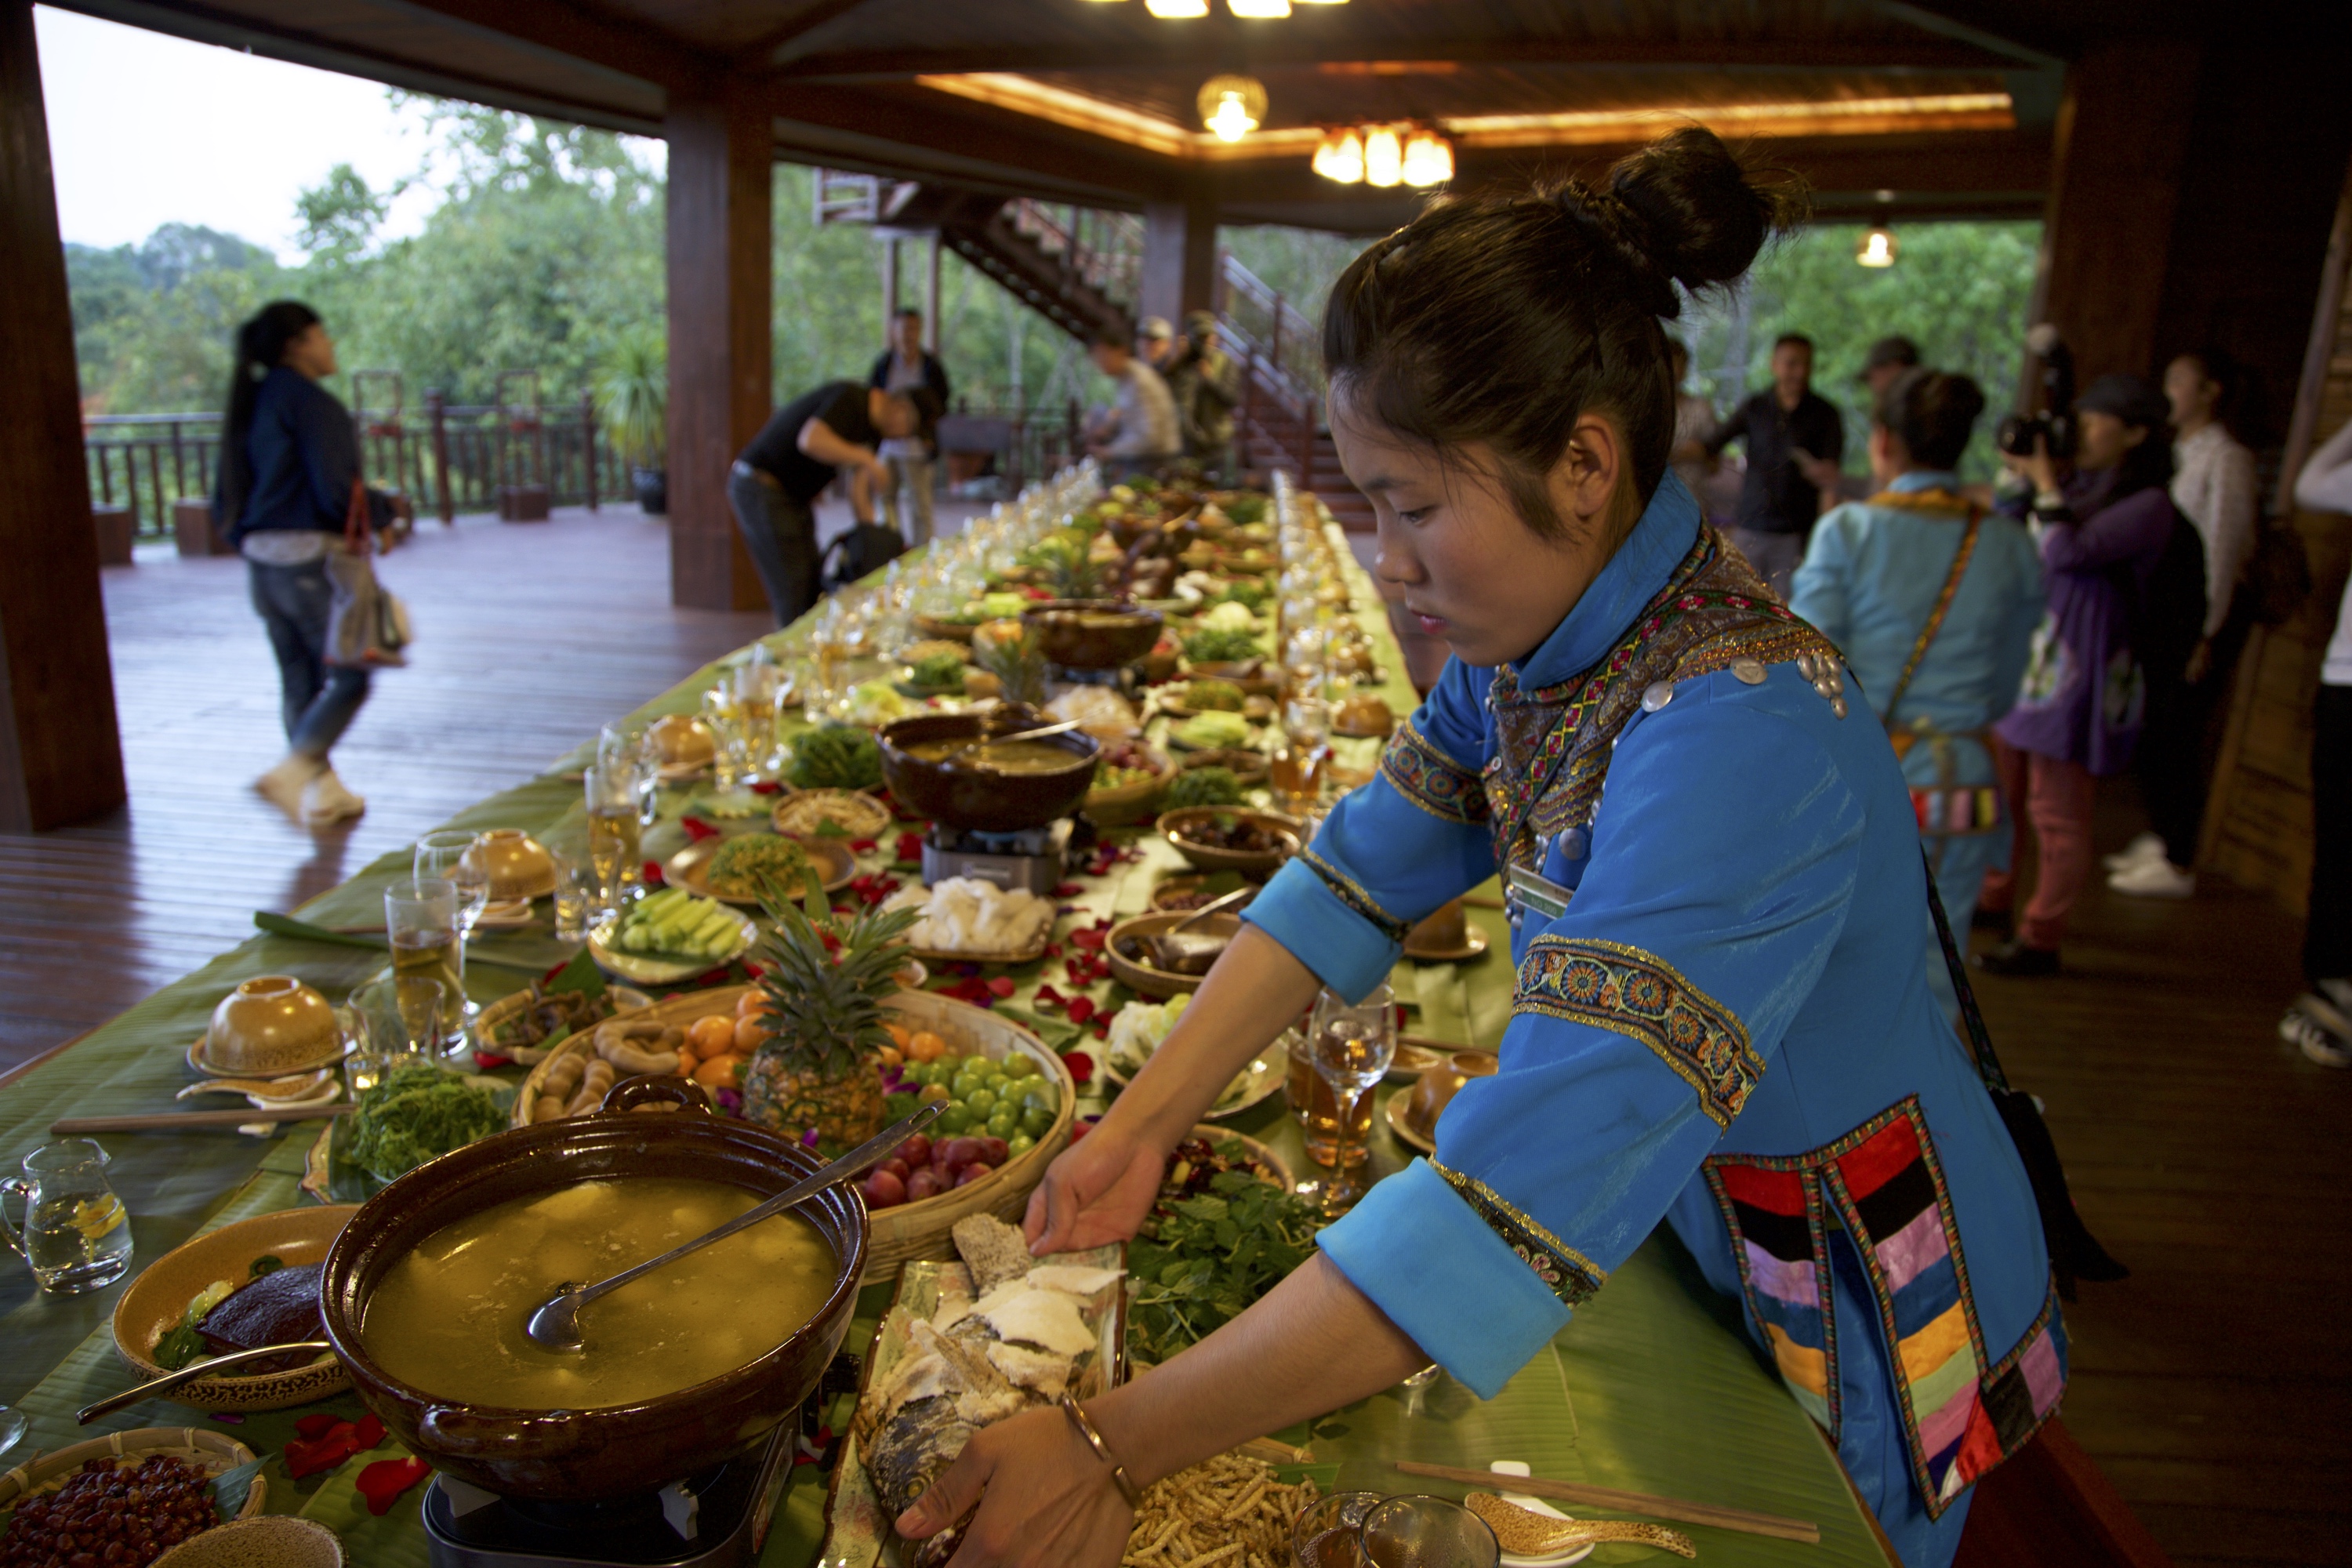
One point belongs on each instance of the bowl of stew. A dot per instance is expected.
(425, 1291)
(999, 786)
(1093, 634)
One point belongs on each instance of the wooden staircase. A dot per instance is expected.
(1080, 269)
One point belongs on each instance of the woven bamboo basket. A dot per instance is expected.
(916, 1229)
(211, 1452)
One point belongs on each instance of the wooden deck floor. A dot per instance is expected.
(2214, 1387)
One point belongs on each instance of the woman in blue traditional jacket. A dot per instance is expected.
(1934, 603)
(1722, 1016)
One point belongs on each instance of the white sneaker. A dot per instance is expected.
(284, 785)
(2328, 1006)
(326, 802)
(2147, 846)
(2156, 878)
(2300, 1030)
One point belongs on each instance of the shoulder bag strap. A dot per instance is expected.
(1936, 616)
(1971, 1017)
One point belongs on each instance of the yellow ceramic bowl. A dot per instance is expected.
(683, 740)
(159, 1297)
(271, 1024)
(518, 865)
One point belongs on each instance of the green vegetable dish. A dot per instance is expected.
(1198, 1262)
(1213, 696)
(1203, 786)
(418, 1113)
(1217, 645)
(937, 671)
(835, 756)
(741, 865)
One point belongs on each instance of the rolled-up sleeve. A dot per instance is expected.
(1392, 851)
(1641, 1020)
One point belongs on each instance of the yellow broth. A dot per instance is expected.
(447, 1319)
(1001, 756)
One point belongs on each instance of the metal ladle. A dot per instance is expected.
(1184, 957)
(189, 1374)
(555, 1324)
(984, 740)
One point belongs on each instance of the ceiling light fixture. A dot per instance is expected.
(1876, 247)
(1177, 10)
(1384, 156)
(1232, 106)
(1428, 159)
(1341, 157)
(1259, 10)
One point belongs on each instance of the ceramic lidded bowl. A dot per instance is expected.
(519, 866)
(271, 1024)
(683, 740)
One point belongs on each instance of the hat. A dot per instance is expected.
(1899, 350)
(1156, 327)
(2129, 398)
(1200, 323)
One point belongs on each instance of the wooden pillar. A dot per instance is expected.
(60, 757)
(1179, 255)
(721, 156)
(931, 295)
(2121, 141)
(889, 284)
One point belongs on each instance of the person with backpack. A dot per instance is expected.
(2126, 580)
(777, 479)
(287, 495)
(1934, 604)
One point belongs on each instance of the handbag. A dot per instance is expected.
(2075, 1253)
(367, 626)
(866, 549)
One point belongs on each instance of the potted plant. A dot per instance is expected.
(633, 397)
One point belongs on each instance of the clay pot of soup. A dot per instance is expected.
(425, 1292)
(999, 788)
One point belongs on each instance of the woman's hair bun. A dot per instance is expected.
(1697, 215)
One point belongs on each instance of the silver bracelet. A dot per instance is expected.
(1085, 1429)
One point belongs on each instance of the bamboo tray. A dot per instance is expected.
(212, 1452)
(916, 1230)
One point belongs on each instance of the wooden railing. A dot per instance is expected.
(1282, 367)
(1103, 250)
(450, 458)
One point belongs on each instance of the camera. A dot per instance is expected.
(2053, 422)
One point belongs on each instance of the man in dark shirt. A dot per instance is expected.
(1794, 438)
(778, 478)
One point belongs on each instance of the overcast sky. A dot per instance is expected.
(146, 129)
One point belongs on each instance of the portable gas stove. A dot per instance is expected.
(1036, 859)
(1123, 679)
(717, 1518)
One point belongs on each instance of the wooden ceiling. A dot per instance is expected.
(1884, 106)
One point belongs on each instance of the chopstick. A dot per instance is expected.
(1746, 1521)
(178, 1120)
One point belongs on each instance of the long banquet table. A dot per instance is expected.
(1652, 1389)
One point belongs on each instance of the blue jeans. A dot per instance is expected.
(780, 534)
(320, 700)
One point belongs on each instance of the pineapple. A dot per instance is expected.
(817, 1068)
(1009, 650)
(1065, 566)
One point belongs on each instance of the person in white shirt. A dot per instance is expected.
(2321, 1022)
(1141, 431)
(2212, 487)
(907, 369)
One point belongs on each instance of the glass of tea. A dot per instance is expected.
(421, 917)
(1421, 1532)
(1317, 1112)
(616, 828)
(1351, 1045)
(1328, 1532)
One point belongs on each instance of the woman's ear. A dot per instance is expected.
(1591, 470)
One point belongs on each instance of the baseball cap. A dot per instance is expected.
(1199, 323)
(1156, 327)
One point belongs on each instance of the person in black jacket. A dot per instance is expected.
(1795, 438)
(906, 368)
(776, 479)
(290, 466)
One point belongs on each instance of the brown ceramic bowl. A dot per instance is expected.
(576, 1456)
(1438, 1085)
(1179, 825)
(1252, 768)
(1092, 634)
(980, 798)
(270, 1024)
(1146, 978)
(518, 865)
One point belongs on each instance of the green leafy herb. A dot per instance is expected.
(580, 975)
(1213, 696)
(1220, 645)
(1203, 786)
(178, 1348)
(416, 1114)
(938, 669)
(265, 1264)
(1245, 509)
(1200, 1262)
(835, 756)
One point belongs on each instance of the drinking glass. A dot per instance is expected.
(1421, 1532)
(614, 829)
(421, 917)
(755, 688)
(730, 741)
(448, 856)
(1351, 1044)
(633, 746)
(1299, 758)
(1327, 1533)
(577, 886)
(77, 1234)
(404, 1018)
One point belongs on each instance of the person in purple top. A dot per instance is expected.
(2105, 528)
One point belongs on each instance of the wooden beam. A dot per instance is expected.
(719, 229)
(570, 32)
(1179, 255)
(60, 755)
(807, 20)
(1352, 55)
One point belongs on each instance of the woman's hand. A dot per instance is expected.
(1097, 1192)
(2040, 468)
(1044, 1498)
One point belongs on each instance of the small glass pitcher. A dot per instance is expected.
(77, 1234)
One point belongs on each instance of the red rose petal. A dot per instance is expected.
(1081, 1009)
(1068, 890)
(385, 1479)
(317, 1424)
(1089, 939)
(1003, 986)
(697, 829)
(1081, 1065)
(370, 1431)
(652, 872)
(767, 786)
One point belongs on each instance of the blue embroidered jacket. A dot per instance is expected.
(1729, 1028)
